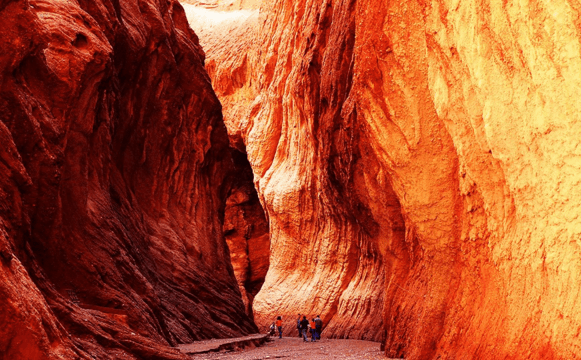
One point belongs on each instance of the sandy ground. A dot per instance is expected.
(295, 348)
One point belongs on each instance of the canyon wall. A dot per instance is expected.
(113, 162)
(418, 163)
(245, 226)
(246, 232)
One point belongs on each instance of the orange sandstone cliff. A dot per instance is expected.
(112, 164)
(418, 162)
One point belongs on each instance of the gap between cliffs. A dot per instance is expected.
(246, 231)
(327, 244)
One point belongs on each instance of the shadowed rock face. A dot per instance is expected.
(246, 232)
(245, 225)
(418, 164)
(112, 161)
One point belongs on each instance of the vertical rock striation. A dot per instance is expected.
(418, 164)
(228, 37)
(246, 232)
(325, 258)
(112, 159)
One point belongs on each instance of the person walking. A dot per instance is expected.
(319, 326)
(313, 330)
(279, 326)
(304, 327)
(299, 326)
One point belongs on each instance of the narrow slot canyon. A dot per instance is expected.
(174, 173)
(310, 273)
(246, 232)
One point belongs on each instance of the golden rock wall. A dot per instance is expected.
(419, 163)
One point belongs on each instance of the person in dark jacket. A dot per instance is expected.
(299, 326)
(304, 327)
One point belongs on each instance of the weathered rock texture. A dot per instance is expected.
(419, 163)
(112, 159)
(245, 225)
(246, 232)
(324, 258)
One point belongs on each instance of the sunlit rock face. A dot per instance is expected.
(225, 5)
(418, 163)
(495, 80)
(324, 255)
(113, 157)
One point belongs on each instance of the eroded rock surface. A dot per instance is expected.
(112, 159)
(418, 162)
(246, 232)
(324, 258)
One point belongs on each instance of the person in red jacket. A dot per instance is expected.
(279, 326)
(313, 326)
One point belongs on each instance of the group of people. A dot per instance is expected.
(304, 326)
(315, 326)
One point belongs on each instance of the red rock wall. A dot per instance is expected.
(228, 38)
(324, 256)
(306, 154)
(463, 84)
(112, 159)
(417, 161)
(246, 232)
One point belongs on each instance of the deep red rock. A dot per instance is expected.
(112, 165)
(246, 232)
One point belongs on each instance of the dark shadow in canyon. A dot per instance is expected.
(246, 231)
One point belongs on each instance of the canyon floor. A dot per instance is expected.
(296, 348)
